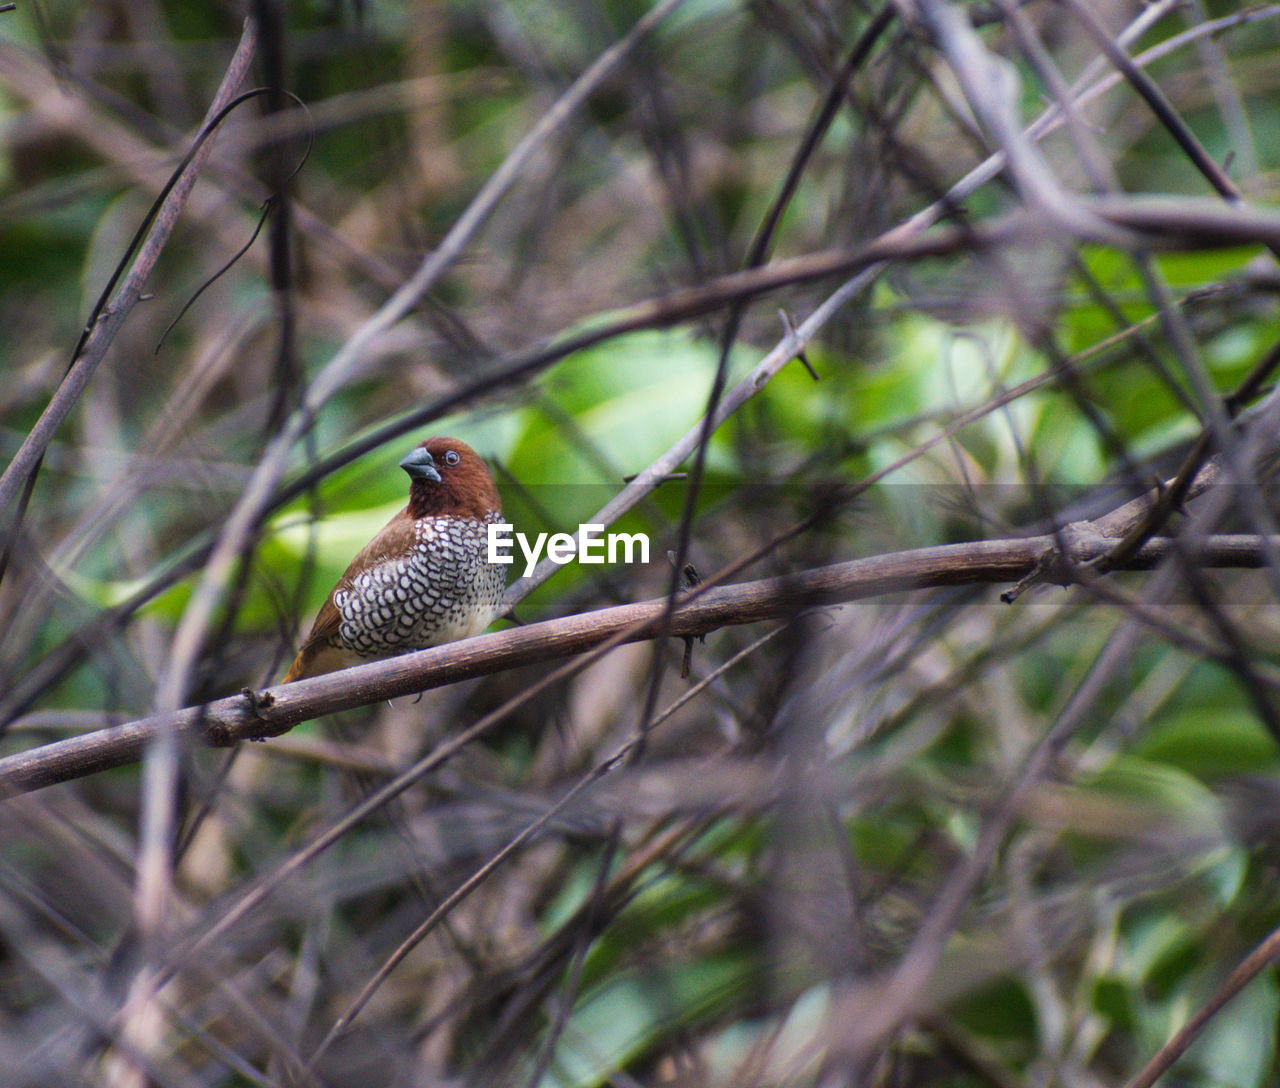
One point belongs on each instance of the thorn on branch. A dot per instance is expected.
(1037, 574)
(1060, 561)
(785, 318)
(690, 577)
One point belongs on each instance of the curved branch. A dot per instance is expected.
(256, 715)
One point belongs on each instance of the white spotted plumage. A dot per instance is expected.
(443, 589)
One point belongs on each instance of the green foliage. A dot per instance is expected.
(1046, 830)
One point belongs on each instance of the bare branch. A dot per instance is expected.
(274, 710)
(103, 333)
(1263, 955)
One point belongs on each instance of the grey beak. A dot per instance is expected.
(420, 465)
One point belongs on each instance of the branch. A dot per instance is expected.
(102, 333)
(1245, 972)
(256, 715)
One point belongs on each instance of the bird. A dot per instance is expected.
(425, 579)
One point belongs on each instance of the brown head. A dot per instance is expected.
(449, 477)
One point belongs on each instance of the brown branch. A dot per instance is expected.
(274, 710)
(681, 305)
(1141, 518)
(1245, 972)
(658, 312)
(1150, 92)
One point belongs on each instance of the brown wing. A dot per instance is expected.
(322, 650)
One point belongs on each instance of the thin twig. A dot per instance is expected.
(102, 333)
(1265, 954)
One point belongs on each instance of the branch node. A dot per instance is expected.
(1075, 547)
(259, 704)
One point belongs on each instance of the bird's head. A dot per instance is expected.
(448, 477)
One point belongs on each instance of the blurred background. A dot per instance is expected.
(929, 839)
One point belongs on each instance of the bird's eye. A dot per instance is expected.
(452, 457)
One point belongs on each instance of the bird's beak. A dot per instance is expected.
(420, 465)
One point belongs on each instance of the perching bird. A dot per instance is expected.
(425, 578)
